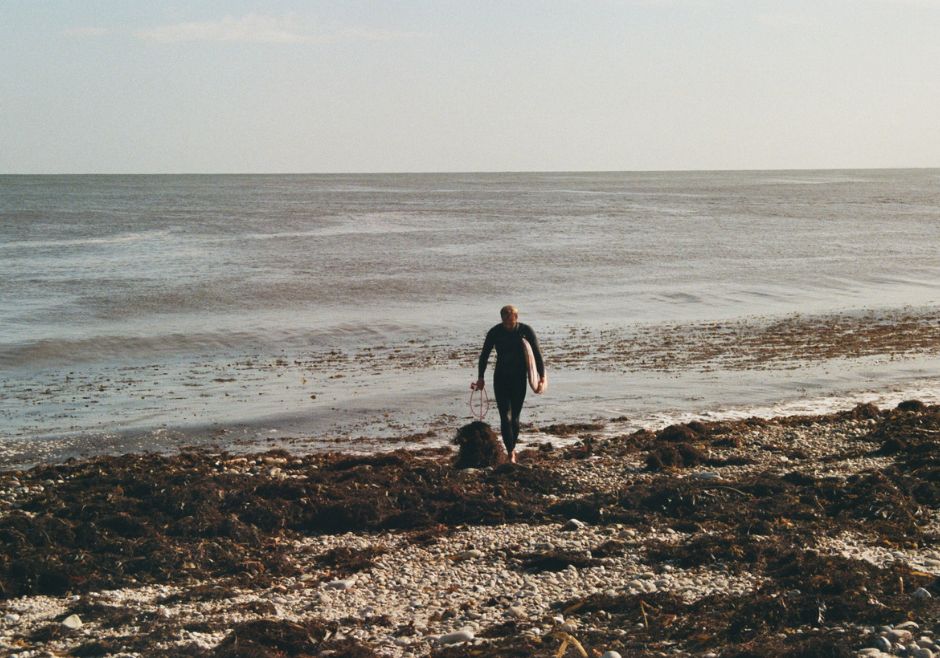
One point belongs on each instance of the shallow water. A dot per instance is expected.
(127, 297)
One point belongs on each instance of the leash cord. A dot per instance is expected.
(483, 403)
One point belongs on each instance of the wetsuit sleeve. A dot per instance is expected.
(536, 350)
(485, 352)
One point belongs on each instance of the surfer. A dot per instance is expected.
(509, 378)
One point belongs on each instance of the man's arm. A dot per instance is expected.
(485, 353)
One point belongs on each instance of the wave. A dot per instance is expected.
(123, 238)
(62, 351)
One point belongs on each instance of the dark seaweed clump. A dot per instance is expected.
(478, 446)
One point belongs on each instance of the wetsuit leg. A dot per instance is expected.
(510, 395)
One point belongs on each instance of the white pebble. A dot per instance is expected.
(455, 638)
(72, 622)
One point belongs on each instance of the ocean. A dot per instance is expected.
(347, 311)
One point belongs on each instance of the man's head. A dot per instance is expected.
(510, 315)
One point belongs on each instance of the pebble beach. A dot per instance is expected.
(792, 536)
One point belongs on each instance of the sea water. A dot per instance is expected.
(255, 306)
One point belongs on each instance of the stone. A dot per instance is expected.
(611, 654)
(921, 594)
(898, 635)
(883, 644)
(517, 611)
(920, 652)
(72, 622)
(340, 584)
(469, 555)
(574, 524)
(908, 626)
(706, 475)
(457, 637)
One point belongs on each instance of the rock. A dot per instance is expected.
(921, 594)
(706, 475)
(11, 618)
(517, 611)
(574, 524)
(456, 638)
(898, 635)
(611, 654)
(883, 644)
(340, 584)
(870, 652)
(469, 555)
(920, 652)
(908, 626)
(72, 622)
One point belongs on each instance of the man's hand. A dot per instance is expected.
(477, 385)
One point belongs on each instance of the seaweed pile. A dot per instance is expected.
(137, 519)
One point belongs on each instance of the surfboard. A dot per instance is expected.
(533, 370)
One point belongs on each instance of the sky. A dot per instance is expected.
(125, 86)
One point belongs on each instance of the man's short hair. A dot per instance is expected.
(508, 310)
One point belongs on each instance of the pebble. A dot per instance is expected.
(517, 612)
(921, 594)
(456, 638)
(883, 644)
(611, 654)
(470, 555)
(706, 475)
(574, 524)
(72, 622)
(908, 626)
(920, 652)
(340, 584)
(898, 635)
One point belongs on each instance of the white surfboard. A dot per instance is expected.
(533, 369)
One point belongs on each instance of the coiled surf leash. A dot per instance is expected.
(479, 401)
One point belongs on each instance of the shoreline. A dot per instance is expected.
(807, 534)
(659, 373)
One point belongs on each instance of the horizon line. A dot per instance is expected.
(466, 171)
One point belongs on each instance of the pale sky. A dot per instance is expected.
(125, 86)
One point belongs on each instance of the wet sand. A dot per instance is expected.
(793, 536)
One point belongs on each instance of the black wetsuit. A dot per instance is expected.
(509, 379)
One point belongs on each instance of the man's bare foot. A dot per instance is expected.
(512, 456)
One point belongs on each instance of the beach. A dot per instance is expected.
(797, 536)
(228, 431)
